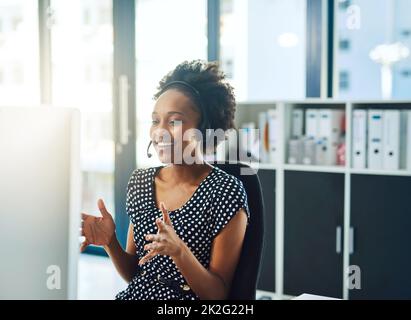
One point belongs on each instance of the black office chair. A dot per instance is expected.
(244, 283)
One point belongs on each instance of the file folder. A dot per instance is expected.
(311, 123)
(405, 140)
(408, 140)
(247, 141)
(309, 151)
(321, 152)
(359, 139)
(391, 139)
(295, 151)
(264, 140)
(273, 128)
(375, 139)
(297, 123)
(330, 121)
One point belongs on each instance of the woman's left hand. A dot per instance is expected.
(165, 242)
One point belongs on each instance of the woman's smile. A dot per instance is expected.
(163, 145)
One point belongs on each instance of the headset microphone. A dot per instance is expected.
(148, 152)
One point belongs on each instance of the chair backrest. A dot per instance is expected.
(244, 283)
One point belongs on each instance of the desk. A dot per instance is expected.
(307, 296)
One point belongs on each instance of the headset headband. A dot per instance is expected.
(204, 119)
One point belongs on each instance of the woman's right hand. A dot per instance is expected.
(99, 231)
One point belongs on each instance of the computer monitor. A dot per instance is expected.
(40, 202)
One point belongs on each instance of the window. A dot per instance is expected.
(344, 45)
(82, 54)
(167, 33)
(344, 80)
(406, 33)
(344, 4)
(19, 53)
(380, 47)
(406, 73)
(262, 48)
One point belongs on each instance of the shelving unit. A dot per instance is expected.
(267, 166)
(339, 219)
(314, 168)
(381, 172)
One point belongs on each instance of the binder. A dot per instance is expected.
(297, 123)
(309, 149)
(264, 143)
(295, 151)
(273, 127)
(359, 139)
(341, 154)
(247, 141)
(329, 133)
(321, 150)
(375, 139)
(391, 138)
(311, 123)
(405, 140)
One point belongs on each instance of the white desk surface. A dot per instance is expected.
(307, 296)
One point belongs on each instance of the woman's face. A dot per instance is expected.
(174, 113)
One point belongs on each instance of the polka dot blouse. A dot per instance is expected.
(216, 200)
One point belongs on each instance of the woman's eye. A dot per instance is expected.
(154, 122)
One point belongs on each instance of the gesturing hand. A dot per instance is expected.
(98, 231)
(165, 242)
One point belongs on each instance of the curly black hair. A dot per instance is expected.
(217, 95)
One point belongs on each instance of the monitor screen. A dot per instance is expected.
(40, 201)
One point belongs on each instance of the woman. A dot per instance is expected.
(188, 220)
